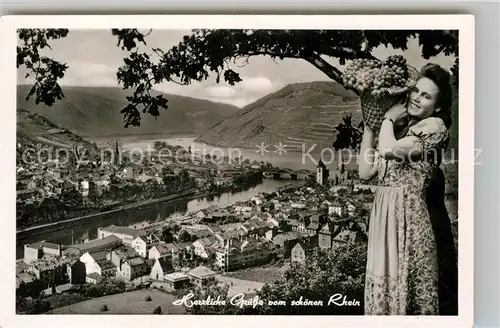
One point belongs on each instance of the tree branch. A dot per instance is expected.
(343, 52)
(270, 54)
(321, 64)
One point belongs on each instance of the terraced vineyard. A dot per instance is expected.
(33, 128)
(298, 115)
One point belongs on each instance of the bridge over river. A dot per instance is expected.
(287, 174)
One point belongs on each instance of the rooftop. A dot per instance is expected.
(170, 247)
(231, 226)
(96, 243)
(43, 244)
(125, 252)
(45, 265)
(98, 256)
(94, 275)
(105, 264)
(184, 245)
(165, 263)
(25, 277)
(149, 239)
(229, 234)
(136, 261)
(313, 226)
(59, 289)
(207, 241)
(290, 235)
(176, 276)
(220, 213)
(201, 272)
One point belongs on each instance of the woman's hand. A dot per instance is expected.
(367, 130)
(397, 114)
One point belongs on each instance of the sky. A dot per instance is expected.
(93, 59)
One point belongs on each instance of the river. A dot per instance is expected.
(306, 159)
(87, 230)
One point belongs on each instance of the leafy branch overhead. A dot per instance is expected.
(219, 53)
(44, 70)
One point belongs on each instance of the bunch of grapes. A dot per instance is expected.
(375, 76)
(359, 73)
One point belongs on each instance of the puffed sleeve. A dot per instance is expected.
(431, 133)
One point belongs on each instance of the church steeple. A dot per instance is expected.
(117, 154)
(321, 173)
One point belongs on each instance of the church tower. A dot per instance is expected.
(117, 155)
(321, 173)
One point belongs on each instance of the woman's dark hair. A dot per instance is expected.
(441, 78)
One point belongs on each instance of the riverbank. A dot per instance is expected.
(189, 195)
(169, 198)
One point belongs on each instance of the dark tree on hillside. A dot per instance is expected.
(205, 53)
(347, 135)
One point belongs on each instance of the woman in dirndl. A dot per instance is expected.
(402, 274)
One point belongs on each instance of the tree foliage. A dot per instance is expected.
(204, 53)
(325, 274)
(45, 71)
(347, 135)
(37, 305)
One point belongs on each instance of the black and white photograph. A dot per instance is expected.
(241, 171)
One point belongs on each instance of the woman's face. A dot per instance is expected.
(423, 99)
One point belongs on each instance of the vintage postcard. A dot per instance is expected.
(289, 166)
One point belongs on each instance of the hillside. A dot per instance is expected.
(95, 112)
(302, 113)
(35, 129)
(298, 114)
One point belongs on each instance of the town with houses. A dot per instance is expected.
(113, 181)
(46, 177)
(323, 212)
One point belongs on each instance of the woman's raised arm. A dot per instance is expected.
(367, 167)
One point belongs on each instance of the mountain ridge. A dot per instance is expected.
(94, 112)
(299, 114)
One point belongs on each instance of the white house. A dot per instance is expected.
(273, 221)
(97, 263)
(336, 208)
(133, 268)
(271, 232)
(163, 249)
(162, 266)
(142, 244)
(90, 261)
(84, 187)
(127, 235)
(202, 246)
(298, 254)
